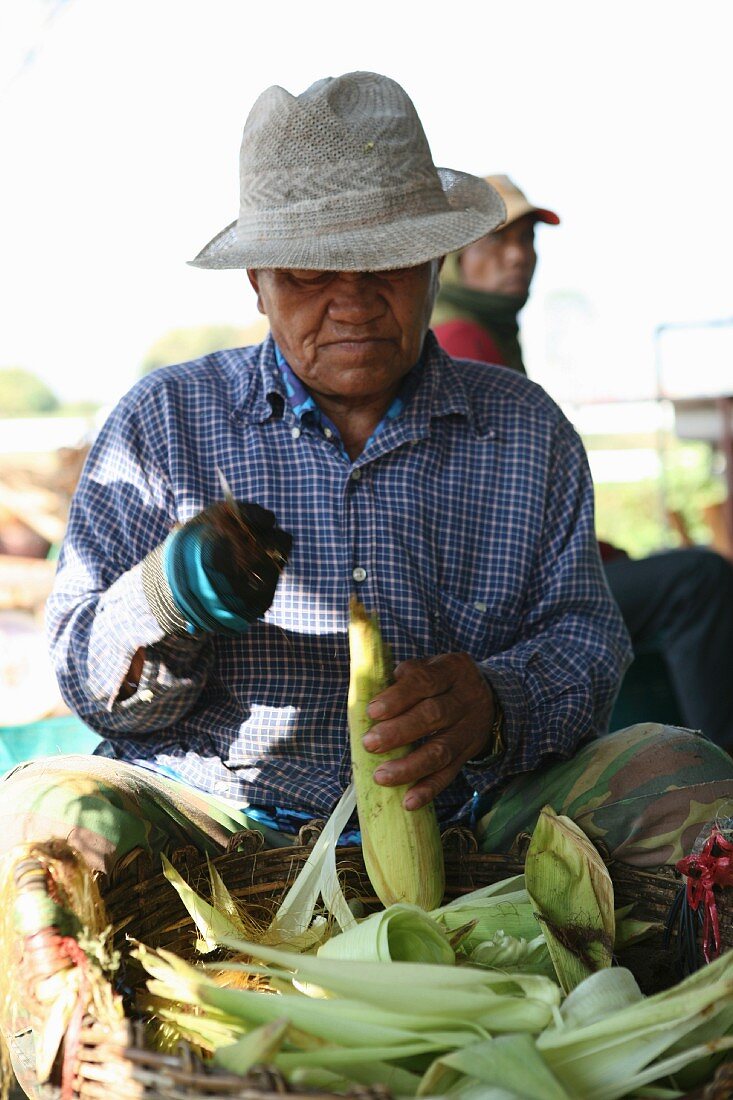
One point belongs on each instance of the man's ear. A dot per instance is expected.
(253, 277)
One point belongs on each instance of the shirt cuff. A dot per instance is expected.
(124, 623)
(508, 688)
(169, 685)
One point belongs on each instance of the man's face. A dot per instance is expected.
(349, 335)
(504, 261)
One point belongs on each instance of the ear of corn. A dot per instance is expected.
(573, 896)
(402, 848)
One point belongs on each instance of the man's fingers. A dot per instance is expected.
(414, 680)
(430, 786)
(443, 703)
(436, 754)
(432, 766)
(428, 715)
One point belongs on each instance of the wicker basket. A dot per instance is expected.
(117, 1065)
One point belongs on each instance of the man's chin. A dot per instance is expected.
(519, 289)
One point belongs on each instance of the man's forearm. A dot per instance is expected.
(116, 668)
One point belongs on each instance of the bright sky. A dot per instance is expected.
(120, 125)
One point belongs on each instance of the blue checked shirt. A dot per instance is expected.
(466, 523)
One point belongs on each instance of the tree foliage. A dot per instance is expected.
(182, 344)
(23, 393)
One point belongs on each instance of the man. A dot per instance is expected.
(485, 286)
(677, 603)
(453, 500)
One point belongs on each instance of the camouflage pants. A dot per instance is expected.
(646, 792)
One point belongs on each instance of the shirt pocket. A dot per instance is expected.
(473, 626)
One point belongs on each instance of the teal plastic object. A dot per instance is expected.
(47, 737)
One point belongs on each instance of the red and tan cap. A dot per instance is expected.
(517, 204)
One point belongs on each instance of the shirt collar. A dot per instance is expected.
(434, 388)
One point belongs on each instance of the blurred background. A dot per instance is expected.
(119, 129)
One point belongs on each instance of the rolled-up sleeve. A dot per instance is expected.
(97, 615)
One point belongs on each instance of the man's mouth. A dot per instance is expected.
(356, 343)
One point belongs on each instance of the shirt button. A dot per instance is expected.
(480, 605)
(328, 433)
(356, 475)
(359, 574)
(295, 433)
(145, 695)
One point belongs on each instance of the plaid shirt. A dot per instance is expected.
(466, 523)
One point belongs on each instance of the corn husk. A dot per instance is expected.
(401, 933)
(292, 924)
(573, 897)
(609, 1042)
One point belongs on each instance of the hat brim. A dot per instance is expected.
(547, 216)
(474, 208)
(538, 213)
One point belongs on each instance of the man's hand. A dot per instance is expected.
(218, 572)
(444, 699)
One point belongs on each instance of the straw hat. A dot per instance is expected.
(516, 202)
(341, 178)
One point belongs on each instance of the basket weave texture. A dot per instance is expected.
(117, 1065)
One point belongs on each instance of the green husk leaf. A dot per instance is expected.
(223, 900)
(346, 1021)
(623, 1045)
(493, 1000)
(599, 995)
(401, 932)
(511, 913)
(212, 924)
(509, 1062)
(629, 930)
(318, 877)
(259, 1046)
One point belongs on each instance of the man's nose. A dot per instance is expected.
(355, 298)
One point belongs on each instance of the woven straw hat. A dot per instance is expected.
(341, 178)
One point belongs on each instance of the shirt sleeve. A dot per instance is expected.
(558, 682)
(97, 614)
(467, 340)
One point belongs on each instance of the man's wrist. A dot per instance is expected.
(495, 744)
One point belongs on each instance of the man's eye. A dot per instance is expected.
(311, 278)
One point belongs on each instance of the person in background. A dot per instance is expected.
(679, 602)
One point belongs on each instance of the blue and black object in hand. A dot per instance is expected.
(218, 573)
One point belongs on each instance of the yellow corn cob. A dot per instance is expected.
(402, 849)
